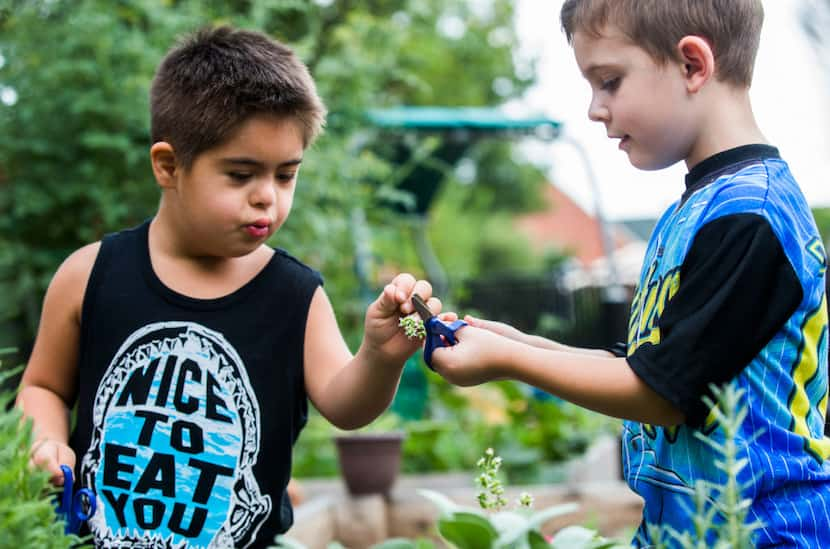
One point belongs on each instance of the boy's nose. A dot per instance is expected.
(597, 112)
(264, 194)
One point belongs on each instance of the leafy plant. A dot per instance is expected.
(284, 542)
(721, 510)
(27, 511)
(470, 528)
(718, 518)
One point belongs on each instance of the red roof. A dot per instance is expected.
(565, 225)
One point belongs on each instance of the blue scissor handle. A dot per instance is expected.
(435, 330)
(76, 507)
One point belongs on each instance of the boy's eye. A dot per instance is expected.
(286, 177)
(240, 176)
(610, 84)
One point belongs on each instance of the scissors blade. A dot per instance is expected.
(421, 308)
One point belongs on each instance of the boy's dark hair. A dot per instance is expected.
(217, 78)
(732, 28)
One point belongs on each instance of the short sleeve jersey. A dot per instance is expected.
(188, 408)
(733, 288)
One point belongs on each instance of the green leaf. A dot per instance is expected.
(445, 505)
(519, 528)
(511, 527)
(573, 537)
(537, 541)
(467, 531)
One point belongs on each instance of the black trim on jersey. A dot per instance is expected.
(737, 289)
(716, 165)
(618, 349)
(706, 172)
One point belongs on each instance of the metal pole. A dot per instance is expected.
(614, 284)
(614, 306)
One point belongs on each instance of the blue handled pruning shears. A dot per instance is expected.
(438, 332)
(76, 507)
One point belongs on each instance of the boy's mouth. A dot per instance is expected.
(623, 141)
(258, 229)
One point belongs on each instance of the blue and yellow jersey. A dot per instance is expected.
(733, 288)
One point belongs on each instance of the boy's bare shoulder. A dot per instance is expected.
(81, 260)
(74, 272)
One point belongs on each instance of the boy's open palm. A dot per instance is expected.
(383, 336)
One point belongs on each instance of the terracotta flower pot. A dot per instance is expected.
(369, 462)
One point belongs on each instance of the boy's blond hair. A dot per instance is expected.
(731, 27)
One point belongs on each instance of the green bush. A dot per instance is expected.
(73, 145)
(27, 511)
(538, 436)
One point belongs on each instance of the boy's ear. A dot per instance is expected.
(165, 167)
(698, 61)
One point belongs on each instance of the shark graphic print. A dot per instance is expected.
(176, 433)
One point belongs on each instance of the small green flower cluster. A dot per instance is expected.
(491, 495)
(492, 491)
(413, 326)
(525, 500)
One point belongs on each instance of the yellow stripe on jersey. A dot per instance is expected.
(805, 371)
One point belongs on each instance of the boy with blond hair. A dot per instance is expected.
(732, 284)
(189, 345)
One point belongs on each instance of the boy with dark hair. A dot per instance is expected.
(732, 285)
(191, 346)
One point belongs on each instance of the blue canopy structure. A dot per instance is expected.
(475, 119)
(459, 127)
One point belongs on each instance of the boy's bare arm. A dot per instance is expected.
(351, 391)
(604, 384)
(48, 384)
(509, 331)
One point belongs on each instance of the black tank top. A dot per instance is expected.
(188, 408)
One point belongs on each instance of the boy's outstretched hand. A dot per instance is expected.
(383, 336)
(480, 355)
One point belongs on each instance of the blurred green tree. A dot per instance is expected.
(74, 80)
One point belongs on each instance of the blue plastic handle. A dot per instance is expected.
(76, 507)
(439, 334)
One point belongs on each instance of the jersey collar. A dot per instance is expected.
(716, 165)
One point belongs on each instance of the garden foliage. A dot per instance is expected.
(719, 518)
(74, 128)
(27, 512)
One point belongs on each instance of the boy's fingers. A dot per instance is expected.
(404, 282)
(387, 302)
(485, 324)
(49, 456)
(50, 465)
(66, 457)
(434, 305)
(449, 316)
(57, 476)
(424, 290)
(396, 292)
